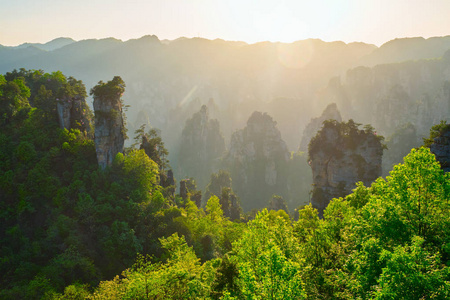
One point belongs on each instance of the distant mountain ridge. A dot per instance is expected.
(397, 50)
(404, 49)
(163, 77)
(49, 46)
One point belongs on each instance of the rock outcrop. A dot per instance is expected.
(277, 203)
(331, 112)
(73, 112)
(109, 121)
(183, 189)
(341, 155)
(441, 148)
(258, 159)
(202, 144)
(154, 147)
(221, 187)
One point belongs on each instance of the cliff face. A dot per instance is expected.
(258, 160)
(441, 149)
(73, 112)
(109, 122)
(330, 113)
(202, 144)
(341, 155)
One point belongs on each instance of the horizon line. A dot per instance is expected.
(218, 38)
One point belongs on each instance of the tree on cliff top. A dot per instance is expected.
(111, 89)
(436, 131)
(153, 145)
(347, 133)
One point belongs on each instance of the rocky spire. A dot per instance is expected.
(202, 144)
(73, 112)
(439, 144)
(257, 160)
(71, 107)
(109, 120)
(441, 149)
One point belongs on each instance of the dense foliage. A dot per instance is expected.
(62, 219)
(387, 241)
(110, 89)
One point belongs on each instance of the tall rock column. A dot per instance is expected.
(439, 144)
(109, 121)
(202, 144)
(73, 112)
(71, 107)
(441, 149)
(258, 161)
(341, 155)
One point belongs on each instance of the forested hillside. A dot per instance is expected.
(384, 242)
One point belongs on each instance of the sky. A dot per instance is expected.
(369, 21)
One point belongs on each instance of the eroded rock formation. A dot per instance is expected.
(73, 112)
(202, 144)
(441, 148)
(109, 121)
(341, 155)
(183, 189)
(258, 159)
(220, 185)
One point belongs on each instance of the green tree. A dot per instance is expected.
(265, 263)
(411, 272)
(402, 220)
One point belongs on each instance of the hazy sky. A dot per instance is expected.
(371, 21)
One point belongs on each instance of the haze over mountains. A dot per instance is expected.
(49, 46)
(291, 82)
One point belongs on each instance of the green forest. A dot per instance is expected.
(70, 229)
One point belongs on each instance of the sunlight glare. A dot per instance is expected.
(297, 55)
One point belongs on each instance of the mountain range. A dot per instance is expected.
(234, 79)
